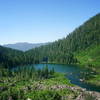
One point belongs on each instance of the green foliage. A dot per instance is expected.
(10, 57)
(82, 46)
(46, 73)
(21, 85)
(44, 95)
(90, 56)
(18, 78)
(95, 79)
(63, 51)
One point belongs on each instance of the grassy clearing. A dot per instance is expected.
(91, 58)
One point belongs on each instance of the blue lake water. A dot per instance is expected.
(74, 73)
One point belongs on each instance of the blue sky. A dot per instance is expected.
(36, 21)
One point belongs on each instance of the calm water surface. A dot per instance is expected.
(74, 73)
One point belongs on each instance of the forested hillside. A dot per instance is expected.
(69, 49)
(10, 57)
(81, 46)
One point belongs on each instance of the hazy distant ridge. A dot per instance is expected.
(24, 46)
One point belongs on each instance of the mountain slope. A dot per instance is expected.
(66, 50)
(79, 47)
(89, 56)
(10, 57)
(24, 46)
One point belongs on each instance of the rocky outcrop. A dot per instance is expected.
(82, 93)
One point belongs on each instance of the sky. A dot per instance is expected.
(39, 21)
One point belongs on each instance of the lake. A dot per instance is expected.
(75, 74)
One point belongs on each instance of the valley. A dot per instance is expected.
(69, 68)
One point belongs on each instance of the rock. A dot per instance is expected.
(79, 97)
(92, 72)
(29, 99)
(81, 80)
(25, 89)
(96, 94)
(83, 89)
(10, 98)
